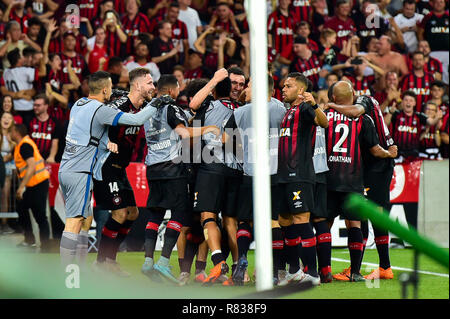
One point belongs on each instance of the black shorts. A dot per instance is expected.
(170, 194)
(320, 201)
(114, 191)
(245, 200)
(216, 193)
(377, 186)
(335, 203)
(295, 198)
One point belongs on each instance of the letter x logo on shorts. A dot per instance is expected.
(296, 195)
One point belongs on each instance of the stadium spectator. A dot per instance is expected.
(318, 17)
(387, 59)
(35, 33)
(432, 64)
(322, 95)
(223, 19)
(162, 50)
(444, 136)
(407, 21)
(430, 139)
(15, 11)
(7, 160)
(43, 9)
(436, 96)
(77, 61)
(33, 188)
(304, 29)
(363, 85)
(391, 93)
(105, 6)
(134, 22)
(57, 41)
(141, 60)
(192, 20)
(118, 72)
(407, 125)
(418, 80)
(44, 130)
(115, 34)
(13, 40)
(18, 82)
(328, 51)
(195, 68)
(281, 27)
(97, 57)
(301, 10)
(7, 105)
(341, 23)
(182, 100)
(434, 29)
(305, 61)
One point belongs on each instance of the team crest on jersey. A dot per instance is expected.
(433, 22)
(117, 200)
(36, 126)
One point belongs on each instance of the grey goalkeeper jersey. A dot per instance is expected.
(88, 122)
(243, 117)
(320, 152)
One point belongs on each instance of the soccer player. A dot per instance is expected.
(89, 119)
(377, 177)
(243, 117)
(167, 176)
(111, 186)
(297, 178)
(217, 183)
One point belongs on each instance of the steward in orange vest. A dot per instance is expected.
(32, 192)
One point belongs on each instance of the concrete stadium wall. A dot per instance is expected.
(433, 212)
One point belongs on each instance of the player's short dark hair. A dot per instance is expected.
(310, 86)
(410, 93)
(194, 86)
(137, 73)
(223, 88)
(21, 129)
(330, 74)
(270, 82)
(167, 81)
(236, 70)
(174, 4)
(97, 81)
(13, 57)
(440, 84)
(299, 77)
(178, 67)
(144, 37)
(304, 23)
(42, 96)
(341, 2)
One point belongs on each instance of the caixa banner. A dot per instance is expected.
(404, 184)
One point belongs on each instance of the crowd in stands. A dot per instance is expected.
(395, 51)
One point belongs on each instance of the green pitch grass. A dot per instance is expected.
(40, 276)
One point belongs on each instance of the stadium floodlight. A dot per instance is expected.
(257, 18)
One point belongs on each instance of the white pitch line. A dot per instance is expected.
(397, 268)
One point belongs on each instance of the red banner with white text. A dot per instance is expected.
(404, 185)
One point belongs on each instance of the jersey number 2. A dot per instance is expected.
(337, 148)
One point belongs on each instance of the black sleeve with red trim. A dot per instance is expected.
(368, 135)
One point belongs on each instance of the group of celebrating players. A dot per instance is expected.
(199, 166)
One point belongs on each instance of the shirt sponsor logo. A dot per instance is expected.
(311, 72)
(439, 30)
(343, 33)
(301, 3)
(284, 31)
(160, 145)
(285, 131)
(421, 91)
(42, 136)
(407, 129)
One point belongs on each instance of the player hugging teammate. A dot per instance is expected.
(200, 167)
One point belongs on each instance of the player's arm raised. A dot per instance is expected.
(321, 118)
(201, 95)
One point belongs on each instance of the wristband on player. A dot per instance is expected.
(315, 106)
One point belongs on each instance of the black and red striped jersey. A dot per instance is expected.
(344, 29)
(2, 30)
(132, 28)
(347, 139)
(428, 141)
(363, 86)
(119, 6)
(197, 73)
(406, 130)
(113, 44)
(228, 27)
(125, 137)
(420, 86)
(436, 30)
(295, 149)
(445, 129)
(43, 133)
(55, 78)
(23, 21)
(158, 47)
(79, 66)
(433, 65)
(57, 45)
(88, 8)
(232, 105)
(211, 60)
(301, 10)
(372, 109)
(309, 67)
(444, 108)
(58, 113)
(281, 28)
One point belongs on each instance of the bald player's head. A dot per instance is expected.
(342, 92)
